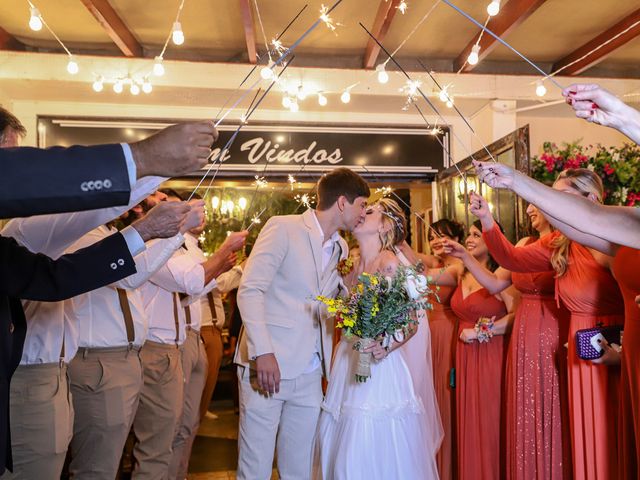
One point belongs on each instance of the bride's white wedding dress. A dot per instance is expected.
(386, 428)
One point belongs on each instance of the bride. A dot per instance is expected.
(388, 427)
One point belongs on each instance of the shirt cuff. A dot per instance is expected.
(131, 164)
(135, 243)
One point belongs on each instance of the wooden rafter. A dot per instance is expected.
(386, 11)
(115, 27)
(249, 30)
(9, 42)
(511, 15)
(616, 36)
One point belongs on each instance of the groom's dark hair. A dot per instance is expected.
(340, 182)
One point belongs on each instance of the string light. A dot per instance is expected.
(474, 57)
(135, 89)
(383, 76)
(146, 86)
(158, 67)
(493, 8)
(242, 203)
(72, 66)
(541, 90)
(345, 97)
(294, 107)
(98, 84)
(35, 22)
(176, 34)
(322, 100)
(301, 93)
(286, 101)
(267, 72)
(402, 7)
(117, 87)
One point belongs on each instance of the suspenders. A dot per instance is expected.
(212, 307)
(128, 318)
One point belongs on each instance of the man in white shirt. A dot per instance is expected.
(162, 395)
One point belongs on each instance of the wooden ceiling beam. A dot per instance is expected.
(386, 11)
(616, 36)
(249, 30)
(115, 27)
(511, 15)
(9, 42)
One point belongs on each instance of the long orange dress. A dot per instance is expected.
(443, 324)
(625, 268)
(537, 418)
(591, 294)
(479, 372)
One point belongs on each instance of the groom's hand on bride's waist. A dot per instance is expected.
(268, 373)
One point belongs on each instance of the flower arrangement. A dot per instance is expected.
(484, 329)
(378, 308)
(345, 266)
(618, 167)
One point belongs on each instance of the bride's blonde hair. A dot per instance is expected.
(586, 183)
(393, 217)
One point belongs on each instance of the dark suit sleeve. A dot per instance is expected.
(33, 276)
(35, 181)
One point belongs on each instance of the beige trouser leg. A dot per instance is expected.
(212, 338)
(106, 385)
(194, 365)
(288, 418)
(41, 421)
(158, 412)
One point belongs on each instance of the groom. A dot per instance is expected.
(285, 346)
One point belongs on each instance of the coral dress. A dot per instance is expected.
(479, 372)
(444, 324)
(625, 268)
(591, 294)
(537, 417)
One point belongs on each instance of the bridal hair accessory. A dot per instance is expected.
(484, 329)
(394, 218)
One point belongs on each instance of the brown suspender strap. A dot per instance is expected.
(175, 316)
(126, 312)
(212, 307)
(187, 309)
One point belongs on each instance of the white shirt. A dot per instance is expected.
(96, 317)
(52, 235)
(181, 274)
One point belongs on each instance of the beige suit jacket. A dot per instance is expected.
(277, 295)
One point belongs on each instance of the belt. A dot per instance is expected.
(84, 351)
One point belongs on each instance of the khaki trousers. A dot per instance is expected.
(106, 385)
(41, 421)
(159, 409)
(212, 338)
(288, 419)
(194, 366)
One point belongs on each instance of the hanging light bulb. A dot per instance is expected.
(294, 106)
(450, 102)
(292, 90)
(176, 34)
(117, 87)
(493, 8)
(301, 93)
(473, 57)
(286, 101)
(443, 95)
(345, 97)
(98, 84)
(158, 67)
(541, 90)
(215, 202)
(135, 89)
(35, 21)
(242, 203)
(146, 86)
(72, 66)
(322, 100)
(383, 76)
(266, 72)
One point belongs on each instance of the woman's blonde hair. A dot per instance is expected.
(393, 216)
(586, 183)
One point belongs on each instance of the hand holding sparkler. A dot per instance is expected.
(496, 175)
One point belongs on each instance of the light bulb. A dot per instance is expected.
(345, 97)
(450, 102)
(158, 67)
(117, 87)
(383, 76)
(301, 93)
(266, 73)
(322, 100)
(35, 22)
(242, 203)
(473, 56)
(443, 95)
(135, 89)
(72, 66)
(494, 8)
(176, 34)
(292, 90)
(230, 206)
(97, 85)
(146, 86)
(294, 107)
(215, 203)
(286, 102)
(541, 90)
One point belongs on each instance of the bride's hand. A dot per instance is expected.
(377, 350)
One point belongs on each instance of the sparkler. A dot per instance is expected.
(328, 21)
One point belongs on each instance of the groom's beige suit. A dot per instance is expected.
(288, 267)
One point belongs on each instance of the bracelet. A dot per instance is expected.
(484, 329)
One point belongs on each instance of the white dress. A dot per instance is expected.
(386, 428)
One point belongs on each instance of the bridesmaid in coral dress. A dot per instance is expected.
(479, 365)
(588, 290)
(537, 444)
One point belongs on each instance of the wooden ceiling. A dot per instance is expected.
(553, 33)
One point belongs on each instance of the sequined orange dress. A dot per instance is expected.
(443, 324)
(479, 372)
(593, 298)
(535, 383)
(626, 268)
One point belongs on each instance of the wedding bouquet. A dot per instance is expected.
(378, 308)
